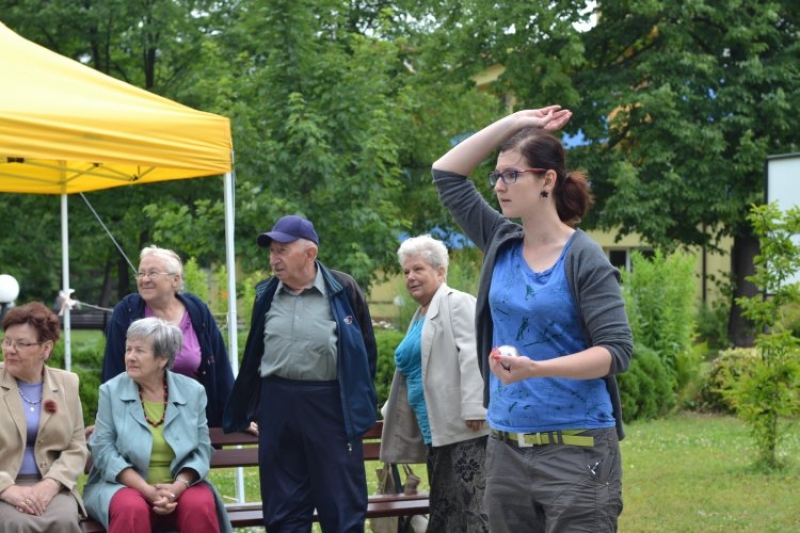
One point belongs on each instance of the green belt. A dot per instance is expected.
(565, 436)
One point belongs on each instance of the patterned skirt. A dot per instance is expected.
(457, 480)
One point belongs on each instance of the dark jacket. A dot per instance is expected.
(357, 356)
(593, 281)
(214, 373)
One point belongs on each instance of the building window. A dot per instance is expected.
(621, 257)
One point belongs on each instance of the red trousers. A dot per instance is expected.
(196, 513)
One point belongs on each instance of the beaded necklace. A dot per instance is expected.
(163, 414)
(26, 400)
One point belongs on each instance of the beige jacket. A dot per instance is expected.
(451, 378)
(60, 448)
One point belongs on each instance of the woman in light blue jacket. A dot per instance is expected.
(150, 447)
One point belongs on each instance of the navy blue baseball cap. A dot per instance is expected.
(289, 229)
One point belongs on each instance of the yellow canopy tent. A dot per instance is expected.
(67, 128)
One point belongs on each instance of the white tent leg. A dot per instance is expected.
(233, 330)
(65, 282)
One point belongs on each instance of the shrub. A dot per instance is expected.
(89, 391)
(692, 369)
(765, 397)
(86, 361)
(720, 377)
(711, 324)
(195, 279)
(387, 340)
(659, 296)
(246, 289)
(645, 388)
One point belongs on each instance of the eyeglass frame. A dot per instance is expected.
(154, 274)
(19, 345)
(513, 175)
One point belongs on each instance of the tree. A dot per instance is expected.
(684, 101)
(679, 102)
(336, 128)
(164, 47)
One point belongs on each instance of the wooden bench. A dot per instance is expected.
(88, 319)
(241, 450)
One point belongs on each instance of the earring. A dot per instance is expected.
(544, 194)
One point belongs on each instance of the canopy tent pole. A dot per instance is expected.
(65, 282)
(230, 264)
(233, 328)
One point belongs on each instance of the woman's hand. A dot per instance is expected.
(511, 368)
(550, 118)
(465, 157)
(476, 425)
(43, 493)
(167, 497)
(23, 500)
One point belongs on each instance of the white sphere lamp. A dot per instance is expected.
(9, 289)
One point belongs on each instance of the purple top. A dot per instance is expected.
(187, 361)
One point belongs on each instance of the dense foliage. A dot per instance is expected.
(87, 362)
(645, 389)
(659, 298)
(339, 107)
(388, 340)
(766, 396)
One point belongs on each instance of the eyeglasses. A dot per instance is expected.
(19, 345)
(510, 176)
(153, 274)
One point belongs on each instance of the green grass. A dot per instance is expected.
(689, 473)
(686, 474)
(694, 473)
(225, 482)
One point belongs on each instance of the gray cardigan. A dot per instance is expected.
(593, 281)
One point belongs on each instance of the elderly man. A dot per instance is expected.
(307, 380)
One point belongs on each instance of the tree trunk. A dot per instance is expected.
(123, 278)
(745, 247)
(105, 295)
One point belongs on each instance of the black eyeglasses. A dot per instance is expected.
(510, 176)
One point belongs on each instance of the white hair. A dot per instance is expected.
(172, 260)
(431, 250)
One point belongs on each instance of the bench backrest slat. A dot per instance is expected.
(228, 455)
(241, 448)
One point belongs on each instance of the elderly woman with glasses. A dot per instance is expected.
(435, 411)
(42, 443)
(203, 355)
(150, 448)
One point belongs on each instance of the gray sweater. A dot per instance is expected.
(593, 281)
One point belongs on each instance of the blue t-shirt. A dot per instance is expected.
(408, 358)
(535, 312)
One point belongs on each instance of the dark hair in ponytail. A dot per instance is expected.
(541, 149)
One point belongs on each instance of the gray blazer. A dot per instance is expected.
(122, 439)
(451, 378)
